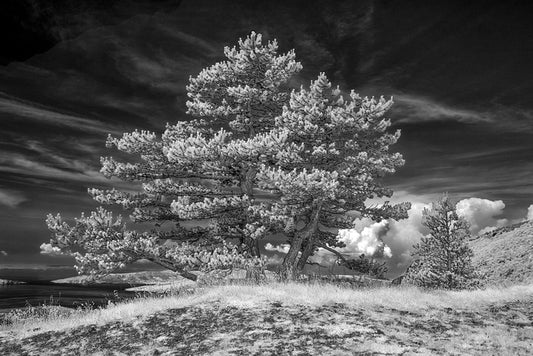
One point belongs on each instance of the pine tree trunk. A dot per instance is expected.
(289, 268)
(306, 253)
(247, 183)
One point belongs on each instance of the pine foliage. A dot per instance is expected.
(255, 159)
(342, 149)
(197, 178)
(443, 259)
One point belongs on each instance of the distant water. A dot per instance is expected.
(66, 295)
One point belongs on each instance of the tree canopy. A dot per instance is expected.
(257, 157)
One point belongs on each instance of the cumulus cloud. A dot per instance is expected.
(388, 239)
(283, 248)
(403, 234)
(367, 241)
(481, 214)
(11, 198)
(48, 249)
(530, 212)
(365, 238)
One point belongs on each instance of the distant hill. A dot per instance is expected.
(505, 255)
(143, 277)
(7, 282)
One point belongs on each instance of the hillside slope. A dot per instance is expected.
(291, 319)
(505, 255)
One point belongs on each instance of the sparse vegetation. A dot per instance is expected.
(504, 256)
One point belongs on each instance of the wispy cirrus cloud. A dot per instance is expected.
(22, 165)
(416, 109)
(11, 108)
(11, 198)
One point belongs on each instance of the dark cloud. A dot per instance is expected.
(37, 25)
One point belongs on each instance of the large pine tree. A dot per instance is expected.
(256, 159)
(443, 259)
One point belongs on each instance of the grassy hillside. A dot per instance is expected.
(290, 319)
(505, 255)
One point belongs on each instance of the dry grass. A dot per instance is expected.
(504, 256)
(242, 296)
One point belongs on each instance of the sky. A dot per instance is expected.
(73, 71)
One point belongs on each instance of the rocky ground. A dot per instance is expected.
(276, 329)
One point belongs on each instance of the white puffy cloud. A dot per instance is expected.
(364, 238)
(402, 235)
(368, 241)
(481, 214)
(283, 248)
(530, 213)
(388, 239)
(391, 239)
(48, 249)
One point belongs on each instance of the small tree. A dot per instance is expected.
(443, 259)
